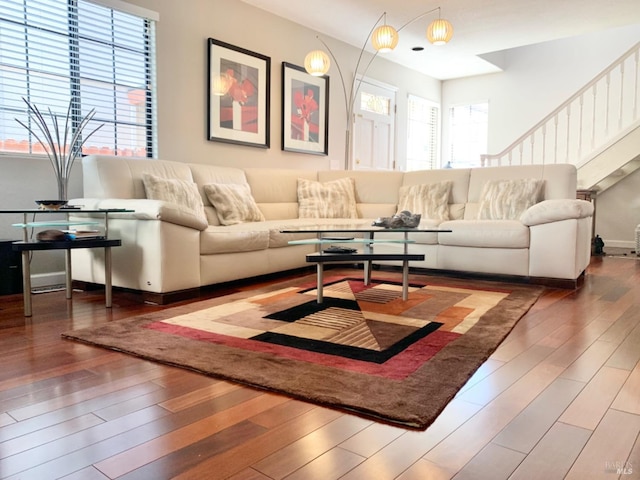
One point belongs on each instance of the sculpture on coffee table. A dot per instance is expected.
(403, 219)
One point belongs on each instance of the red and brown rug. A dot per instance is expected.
(363, 349)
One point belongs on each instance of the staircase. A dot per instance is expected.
(597, 129)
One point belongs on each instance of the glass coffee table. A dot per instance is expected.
(355, 244)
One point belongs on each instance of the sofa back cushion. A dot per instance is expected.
(275, 190)
(377, 193)
(107, 176)
(560, 181)
(459, 178)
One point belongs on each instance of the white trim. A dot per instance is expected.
(618, 244)
(376, 83)
(40, 280)
(128, 8)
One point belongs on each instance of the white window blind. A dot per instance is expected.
(53, 52)
(469, 127)
(422, 134)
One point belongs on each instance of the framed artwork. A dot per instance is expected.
(238, 100)
(305, 111)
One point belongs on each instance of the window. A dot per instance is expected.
(422, 134)
(379, 104)
(56, 51)
(469, 125)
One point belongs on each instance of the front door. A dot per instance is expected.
(374, 127)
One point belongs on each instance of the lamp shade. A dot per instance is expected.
(440, 31)
(317, 63)
(220, 85)
(384, 38)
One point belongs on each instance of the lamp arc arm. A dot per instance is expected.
(353, 91)
(344, 86)
(419, 17)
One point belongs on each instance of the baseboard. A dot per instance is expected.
(563, 283)
(619, 243)
(40, 280)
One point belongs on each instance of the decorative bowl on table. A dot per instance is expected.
(51, 204)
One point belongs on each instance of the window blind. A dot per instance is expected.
(53, 52)
(422, 133)
(469, 126)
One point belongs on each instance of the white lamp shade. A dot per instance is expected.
(317, 63)
(220, 85)
(384, 38)
(440, 31)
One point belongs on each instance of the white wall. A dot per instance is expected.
(535, 81)
(618, 212)
(182, 60)
(182, 34)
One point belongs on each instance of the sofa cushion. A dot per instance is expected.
(335, 199)
(429, 200)
(241, 237)
(183, 193)
(485, 234)
(508, 199)
(233, 203)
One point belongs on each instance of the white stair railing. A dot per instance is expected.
(589, 119)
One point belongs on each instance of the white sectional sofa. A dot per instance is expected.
(168, 251)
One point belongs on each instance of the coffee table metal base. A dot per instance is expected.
(367, 258)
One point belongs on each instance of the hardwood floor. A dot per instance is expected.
(560, 398)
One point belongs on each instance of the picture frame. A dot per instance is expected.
(239, 83)
(305, 111)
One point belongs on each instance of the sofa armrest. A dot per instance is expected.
(145, 209)
(549, 211)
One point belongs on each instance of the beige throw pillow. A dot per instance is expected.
(429, 200)
(180, 192)
(233, 203)
(335, 199)
(508, 199)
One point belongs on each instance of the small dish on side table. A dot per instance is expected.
(51, 204)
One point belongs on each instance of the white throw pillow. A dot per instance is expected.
(180, 192)
(508, 199)
(233, 203)
(335, 199)
(429, 200)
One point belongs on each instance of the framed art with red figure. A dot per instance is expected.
(239, 90)
(305, 111)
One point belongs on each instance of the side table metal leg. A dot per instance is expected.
(367, 272)
(67, 272)
(26, 283)
(405, 280)
(107, 277)
(320, 284)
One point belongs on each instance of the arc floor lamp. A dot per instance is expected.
(384, 38)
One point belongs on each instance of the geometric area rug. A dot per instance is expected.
(363, 350)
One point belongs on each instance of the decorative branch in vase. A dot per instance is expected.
(61, 146)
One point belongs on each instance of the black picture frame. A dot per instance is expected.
(239, 112)
(305, 111)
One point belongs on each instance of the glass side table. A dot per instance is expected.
(26, 245)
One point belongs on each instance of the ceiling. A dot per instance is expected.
(482, 28)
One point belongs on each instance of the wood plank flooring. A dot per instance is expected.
(560, 398)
